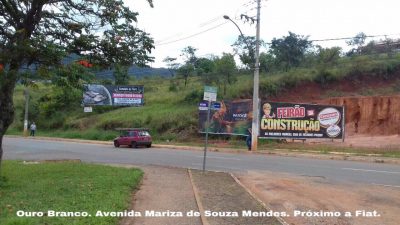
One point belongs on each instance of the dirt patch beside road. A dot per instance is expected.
(283, 192)
(221, 195)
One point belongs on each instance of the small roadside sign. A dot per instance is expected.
(87, 109)
(216, 105)
(210, 93)
(203, 106)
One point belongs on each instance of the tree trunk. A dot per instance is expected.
(7, 85)
(1, 152)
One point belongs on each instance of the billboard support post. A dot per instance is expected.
(344, 122)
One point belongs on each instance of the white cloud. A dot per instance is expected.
(172, 20)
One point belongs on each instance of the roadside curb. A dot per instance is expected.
(61, 139)
(282, 221)
(204, 221)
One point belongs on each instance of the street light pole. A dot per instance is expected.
(241, 33)
(256, 82)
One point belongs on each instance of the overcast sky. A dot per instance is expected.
(176, 24)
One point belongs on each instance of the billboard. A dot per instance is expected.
(227, 117)
(118, 95)
(301, 121)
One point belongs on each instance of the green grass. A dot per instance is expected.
(67, 187)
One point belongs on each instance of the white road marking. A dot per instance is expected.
(375, 171)
(217, 157)
(386, 185)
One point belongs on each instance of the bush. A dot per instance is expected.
(194, 96)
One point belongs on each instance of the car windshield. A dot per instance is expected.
(144, 133)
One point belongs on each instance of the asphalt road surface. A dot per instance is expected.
(332, 170)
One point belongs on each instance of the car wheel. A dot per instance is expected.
(116, 144)
(133, 145)
(149, 146)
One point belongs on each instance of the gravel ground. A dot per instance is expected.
(220, 193)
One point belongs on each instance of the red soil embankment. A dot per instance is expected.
(375, 115)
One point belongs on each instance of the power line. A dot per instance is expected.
(210, 21)
(347, 38)
(193, 35)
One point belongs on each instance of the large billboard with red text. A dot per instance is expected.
(301, 121)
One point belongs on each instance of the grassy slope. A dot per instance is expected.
(170, 117)
(65, 187)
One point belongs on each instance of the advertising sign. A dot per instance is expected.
(119, 95)
(227, 117)
(303, 121)
(210, 93)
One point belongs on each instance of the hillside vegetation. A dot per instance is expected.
(170, 109)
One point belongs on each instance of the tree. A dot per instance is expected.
(186, 70)
(172, 65)
(204, 66)
(245, 48)
(326, 58)
(267, 62)
(358, 41)
(226, 68)
(121, 74)
(42, 32)
(189, 55)
(289, 51)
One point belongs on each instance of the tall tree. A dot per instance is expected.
(267, 62)
(245, 48)
(226, 68)
(42, 32)
(357, 42)
(172, 65)
(204, 66)
(186, 70)
(121, 74)
(289, 51)
(189, 55)
(190, 59)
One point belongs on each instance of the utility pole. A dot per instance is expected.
(256, 84)
(26, 94)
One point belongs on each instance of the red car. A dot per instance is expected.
(133, 137)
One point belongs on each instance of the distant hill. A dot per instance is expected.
(138, 72)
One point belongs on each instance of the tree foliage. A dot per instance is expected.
(226, 69)
(186, 70)
(42, 32)
(245, 48)
(190, 58)
(172, 65)
(121, 75)
(289, 51)
(357, 42)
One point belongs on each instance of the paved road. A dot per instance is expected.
(334, 171)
